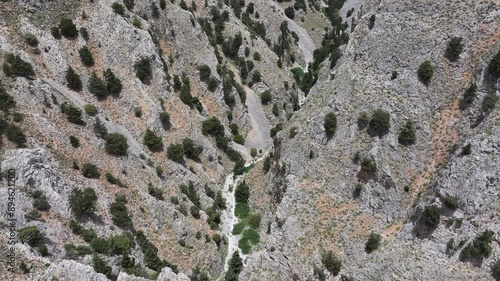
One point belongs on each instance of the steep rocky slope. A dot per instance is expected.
(271, 82)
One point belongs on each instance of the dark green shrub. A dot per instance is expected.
(42, 249)
(205, 72)
(112, 180)
(235, 267)
(17, 67)
(118, 8)
(155, 191)
(213, 126)
(143, 70)
(380, 122)
(90, 109)
(163, 4)
(234, 128)
(371, 23)
(129, 4)
(100, 129)
(331, 263)
(373, 242)
(67, 27)
(116, 144)
(191, 150)
(55, 32)
(290, 13)
(451, 202)
(74, 141)
(469, 96)
(454, 49)
(266, 97)
(368, 165)
(30, 39)
(479, 249)
(175, 152)
(138, 112)
(190, 191)
(6, 101)
(239, 139)
(83, 202)
(97, 86)
(489, 102)
(101, 266)
(494, 66)
(363, 120)
(15, 135)
(407, 134)
(212, 83)
(113, 83)
(466, 150)
(40, 202)
(86, 56)
(430, 216)
(195, 212)
(219, 201)
(254, 220)
(425, 72)
(31, 235)
(84, 33)
(394, 75)
(267, 164)
(90, 171)
(119, 213)
(153, 141)
(165, 119)
(73, 80)
(239, 167)
(330, 124)
(495, 271)
(73, 113)
(256, 77)
(242, 192)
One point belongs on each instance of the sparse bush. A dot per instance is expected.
(489, 102)
(86, 56)
(267, 164)
(73, 80)
(407, 134)
(83, 202)
(101, 266)
(195, 212)
(371, 23)
(143, 70)
(266, 97)
(175, 152)
(495, 271)
(425, 72)
(373, 242)
(430, 216)
(163, 4)
(331, 263)
(380, 122)
(212, 84)
(330, 124)
(67, 27)
(90, 171)
(153, 141)
(129, 4)
(116, 144)
(17, 67)
(394, 75)
(100, 129)
(454, 49)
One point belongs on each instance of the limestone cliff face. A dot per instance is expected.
(316, 197)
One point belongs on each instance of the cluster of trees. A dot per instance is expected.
(119, 213)
(15, 66)
(111, 85)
